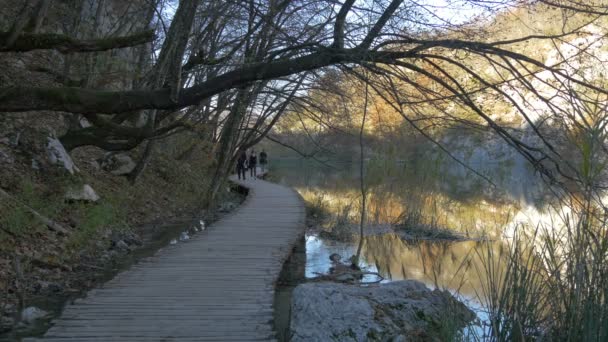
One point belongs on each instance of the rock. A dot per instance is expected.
(47, 287)
(15, 139)
(132, 239)
(9, 309)
(6, 324)
(59, 156)
(95, 165)
(184, 236)
(172, 242)
(387, 312)
(85, 194)
(101, 244)
(226, 207)
(84, 123)
(35, 164)
(400, 338)
(31, 314)
(121, 245)
(17, 64)
(5, 158)
(118, 164)
(108, 255)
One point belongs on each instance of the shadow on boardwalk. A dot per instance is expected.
(218, 286)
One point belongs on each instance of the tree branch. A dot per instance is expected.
(66, 44)
(87, 101)
(379, 25)
(339, 24)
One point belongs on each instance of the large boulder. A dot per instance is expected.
(398, 311)
(59, 156)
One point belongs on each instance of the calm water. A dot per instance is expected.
(395, 191)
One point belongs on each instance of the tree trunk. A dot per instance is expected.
(143, 162)
(41, 11)
(227, 144)
(168, 69)
(23, 18)
(363, 187)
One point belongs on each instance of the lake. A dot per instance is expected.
(401, 196)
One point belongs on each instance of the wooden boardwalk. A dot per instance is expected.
(217, 286)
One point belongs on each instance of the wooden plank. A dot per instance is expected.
(217, 286)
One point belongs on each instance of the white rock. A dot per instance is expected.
(59, 156)
(172, 242)
(32, 313)
(85, 193)
(184, 236)
(84, 123)
(35, 164)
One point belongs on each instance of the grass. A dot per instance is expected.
(316, 206)
(553, 284)
(550, 286)
(18, 223)
(93, 219)
(16, 220)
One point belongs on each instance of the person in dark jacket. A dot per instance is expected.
(253, 161)
(240, 164)
(263, 160)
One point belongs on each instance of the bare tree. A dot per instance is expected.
(227, 64)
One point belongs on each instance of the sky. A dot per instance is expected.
(461, 11)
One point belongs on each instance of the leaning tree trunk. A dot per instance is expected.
(168, 70)
(142, 163)
(227, 145)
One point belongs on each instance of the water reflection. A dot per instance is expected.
(454, 266)
(396, 194)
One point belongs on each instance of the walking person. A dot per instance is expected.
(240, 164)
(263, 160)
(253, 161)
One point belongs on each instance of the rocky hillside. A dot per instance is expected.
(65, 217)
(60, 213)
